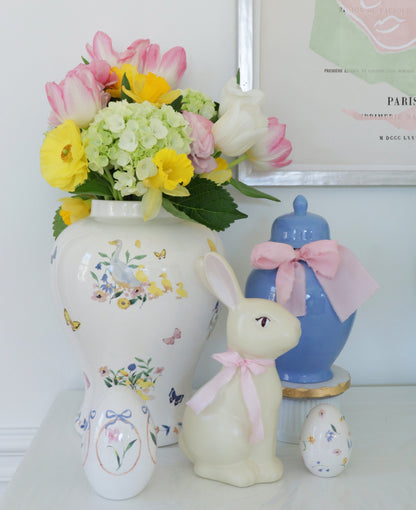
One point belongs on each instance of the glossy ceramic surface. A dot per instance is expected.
(325, 442)
(119, 448)
(323, 334)
(134, 307)
(230, 426)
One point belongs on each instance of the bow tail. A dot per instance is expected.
(351, 286)
(253, 406)
(294, 300)
(208, 392)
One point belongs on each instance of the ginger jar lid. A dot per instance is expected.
(299, 227)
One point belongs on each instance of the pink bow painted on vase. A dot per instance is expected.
(232, 361)
(345, 281)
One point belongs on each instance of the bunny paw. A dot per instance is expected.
(242, 474)
(270, 471)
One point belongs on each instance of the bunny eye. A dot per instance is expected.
(263, 321)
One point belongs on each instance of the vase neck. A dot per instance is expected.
(120, 209)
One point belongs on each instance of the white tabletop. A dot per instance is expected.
(381, 473)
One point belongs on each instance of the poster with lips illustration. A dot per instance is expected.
(341, 74)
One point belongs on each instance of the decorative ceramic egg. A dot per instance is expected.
(119, 444)
(325, 441)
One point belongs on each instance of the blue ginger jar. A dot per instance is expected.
(323, 334)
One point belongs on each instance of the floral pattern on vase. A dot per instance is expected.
(127, 331)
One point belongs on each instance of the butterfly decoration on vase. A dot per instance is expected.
(171, 339)
(174, 398)
(160, 255)
(75, 325)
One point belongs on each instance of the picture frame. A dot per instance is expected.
(327, 107)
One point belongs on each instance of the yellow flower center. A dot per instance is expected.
(66, 154)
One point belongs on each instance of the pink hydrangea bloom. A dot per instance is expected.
(202, 146)
(271, 151)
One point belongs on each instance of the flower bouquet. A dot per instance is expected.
(121, 130)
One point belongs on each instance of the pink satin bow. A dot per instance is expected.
(232, 361)
(344, 280)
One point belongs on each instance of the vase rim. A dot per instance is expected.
(120, 209)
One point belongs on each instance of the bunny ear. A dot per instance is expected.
(221, 279)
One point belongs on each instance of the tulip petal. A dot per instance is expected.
(151, 203)
(135, 54)
(173, 65)
(56, 100)
(102, 49)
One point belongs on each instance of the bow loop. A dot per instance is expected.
(113, 416)
(231, 361)
(322, 256)
(345, 281)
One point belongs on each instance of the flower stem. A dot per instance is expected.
(109, 177)
(238, 160)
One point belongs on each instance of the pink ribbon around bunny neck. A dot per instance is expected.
(232, 361)
(345, 281)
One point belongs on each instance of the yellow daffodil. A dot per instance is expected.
(143, 87)
(220, 174)
(63, 162)
(74, 209)
(173, 172)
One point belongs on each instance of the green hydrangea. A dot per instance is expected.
(195, 101)
(123, 134)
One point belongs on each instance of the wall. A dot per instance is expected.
(41, 41)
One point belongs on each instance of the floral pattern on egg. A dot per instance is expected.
(325, 442)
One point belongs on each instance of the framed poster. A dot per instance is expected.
(341, 74)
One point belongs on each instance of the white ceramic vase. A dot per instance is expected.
(135, 309)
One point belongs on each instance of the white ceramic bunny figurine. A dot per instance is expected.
(230, 425)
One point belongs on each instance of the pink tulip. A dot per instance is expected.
(202, 146)
(78, 97)
(271, 151)
(101, 71)
(143, 55)
(102, 49)
(171, 66)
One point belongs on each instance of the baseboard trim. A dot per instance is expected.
(13, 446)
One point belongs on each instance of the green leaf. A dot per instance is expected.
(94, 185)
(249, 191)
(58, 224)
(139, 257)
(153, 438)
(208, 204)
(333, 428)
(125, 84)
(129, 446)
(127, 256)
(84, 60)
(238, 76)
(104, 255)
(177, 104)
(170, 208)
(94, 276)
(108, 384)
